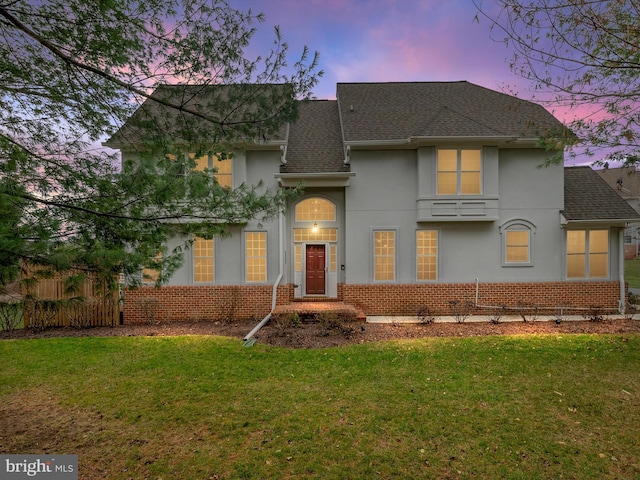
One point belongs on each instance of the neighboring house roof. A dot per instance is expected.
(625, 181)
(400, 111)
(315, 141)
(587, 197)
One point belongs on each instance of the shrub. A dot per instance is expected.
(528, 311)
(594, 314)
(425, 315)
(497, 313)
(460, 310)
(152, 311)
(40, 312)
(337, 322)
(10, 316)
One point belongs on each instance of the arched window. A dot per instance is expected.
(517, 242)
(315, 209)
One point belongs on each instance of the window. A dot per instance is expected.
(427, 254)
(517, 242)
(203, 261)
(384, 255)
(517, 246)
(315, 209)
(151, 272)
(255, 257)
(587, 253)
(224, 168)
(459, 172)
(321, 235)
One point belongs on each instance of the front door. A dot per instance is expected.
(315, 267)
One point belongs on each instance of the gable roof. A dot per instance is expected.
(587, 197)
(315, 140)
(211, 112)
(400, 111)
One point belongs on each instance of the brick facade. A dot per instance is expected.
(547, 296)
(219, 303)
(192, 303)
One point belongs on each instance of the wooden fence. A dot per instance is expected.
(49, 303)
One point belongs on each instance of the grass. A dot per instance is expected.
(632, 272)
(530, 407)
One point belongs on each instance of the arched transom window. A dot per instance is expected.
(315, 210)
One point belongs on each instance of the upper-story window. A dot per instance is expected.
(224, 168)
(459, 171)
(315, 209)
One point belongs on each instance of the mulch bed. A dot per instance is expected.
(321, 335)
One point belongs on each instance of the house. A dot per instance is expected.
(415, 194)
(626, 181)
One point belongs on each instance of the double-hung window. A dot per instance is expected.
(255, 246)
(459, 171)
(427, 255)
(224, 168)
(203, 260)
(587, 253)
(384, 255)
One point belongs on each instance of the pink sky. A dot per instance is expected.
(393, 40)
(388, 40)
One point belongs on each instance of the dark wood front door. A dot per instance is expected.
(315, 262)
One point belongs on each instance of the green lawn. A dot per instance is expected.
(632, 272)
(531, 407)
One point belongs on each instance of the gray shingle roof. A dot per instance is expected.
(394, 111)
(588, 197)
(241, 112)
(315, 140)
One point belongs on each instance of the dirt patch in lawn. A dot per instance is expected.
(337, 333)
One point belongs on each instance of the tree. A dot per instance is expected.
(72, 72)
(586, 54)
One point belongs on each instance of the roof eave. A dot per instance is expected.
(316, 179)
(415, 141)
(612, 222)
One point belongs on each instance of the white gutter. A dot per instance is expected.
(274, 293)
(413, 140)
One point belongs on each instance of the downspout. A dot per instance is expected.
(623, 299)
(274, 293)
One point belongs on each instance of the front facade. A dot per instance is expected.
(415, 194)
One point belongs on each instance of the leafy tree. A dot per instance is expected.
(71, 74)
(586, 53)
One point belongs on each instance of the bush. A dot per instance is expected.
(528, 311)
(460, 310)
(425, 315)
(40, 312)
(10, 316)
(594, 314)
(497, 313)
(337, 322)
